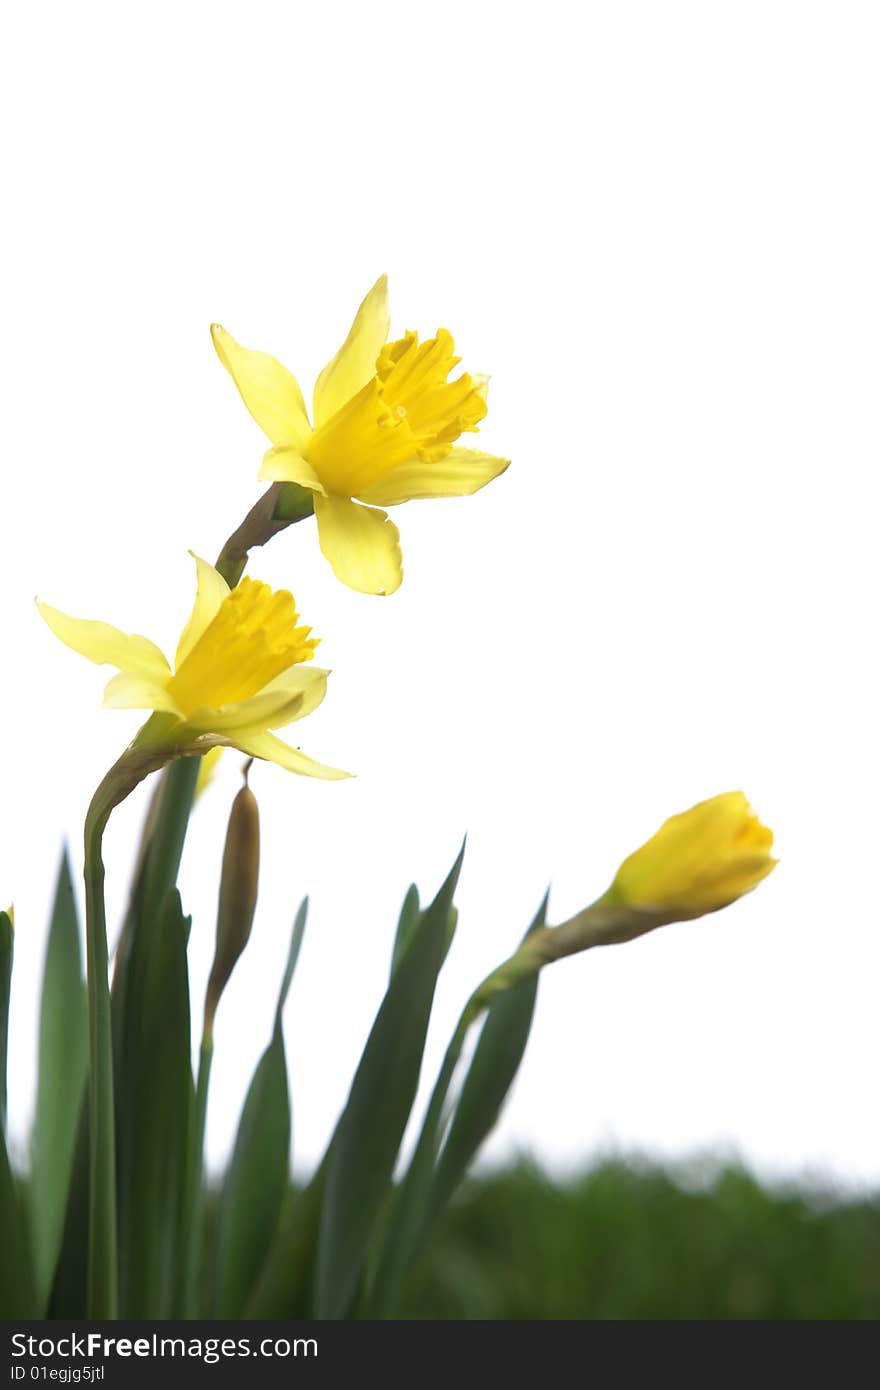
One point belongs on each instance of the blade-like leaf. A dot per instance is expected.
(63, 1059)
(494, 1065)
(154, 1112)
(7, 937)
(283, 1289)
(367, 1139)
(16, 1272)
(17, 1298)
(259, 1172)
(255, 1182)
(296, 938)
(428, 1181)
(155, 872)
(406, 925)
(70, 1285)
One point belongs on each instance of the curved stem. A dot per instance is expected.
(281, 505)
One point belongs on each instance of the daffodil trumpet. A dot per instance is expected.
(386, 421)
(237, 676)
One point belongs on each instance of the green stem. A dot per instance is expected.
(192, 1215)
(281, 505)
(102, 1293)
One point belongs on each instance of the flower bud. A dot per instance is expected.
(698, 862)
(238, 895)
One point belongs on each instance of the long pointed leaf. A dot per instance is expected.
(369, 1133)
(154, 1115)
(428, 1182)
(406, 925)
(17, 1299)
(68, 1300)
(16, 1273)
(7, 939)
(493, 1067)
(259, 1172)
(63, 1059)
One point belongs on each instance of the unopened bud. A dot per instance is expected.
(238, 895)
(698, 862)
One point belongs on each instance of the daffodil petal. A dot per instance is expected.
(362, 545)
(211, 590)
(309, 682)
(265, 745)
(259, 711)
(283, 464)
(270, 392)
(460, 473)
(129, 690)
(290, 696)
(104, 644)
(355, 362)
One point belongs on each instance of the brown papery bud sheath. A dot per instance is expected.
(238, 895)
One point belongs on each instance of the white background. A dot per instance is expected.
(658, 228)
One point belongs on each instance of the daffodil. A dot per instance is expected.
(238, 672)
(386, 419)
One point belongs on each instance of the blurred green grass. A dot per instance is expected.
(634, 1241)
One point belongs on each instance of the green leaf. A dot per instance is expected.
(17, 1299)
(427, 1183)
(63, 1060)
(296, 938)
(16, 1273)
(154, 1114)
(155, 872)
(7, 940)
(259, 1171)
(406, 925)
(494, 1065)
(284, 1286)
(368, 1136)
(69, 1290)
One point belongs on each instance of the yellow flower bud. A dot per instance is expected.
(238, 895)
(698, 861)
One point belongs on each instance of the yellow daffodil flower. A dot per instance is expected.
(386, 422)
(237, 674)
